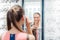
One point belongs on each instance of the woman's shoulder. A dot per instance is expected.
(5, 36)
(21, 34)
(25, 36)
(6, 33)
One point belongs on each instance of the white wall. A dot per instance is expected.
(52, 20)
(4, 7)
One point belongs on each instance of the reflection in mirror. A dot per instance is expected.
(33, 12)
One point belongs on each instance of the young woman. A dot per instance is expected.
(15, 20)
(36, 26)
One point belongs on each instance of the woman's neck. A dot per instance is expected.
(15, 30)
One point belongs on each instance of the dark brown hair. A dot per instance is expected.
(13, 15)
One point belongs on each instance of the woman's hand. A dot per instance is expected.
(27, 22)
(28, 26)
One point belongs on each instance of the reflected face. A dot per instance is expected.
(36, 18)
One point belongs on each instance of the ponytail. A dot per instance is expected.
(11, 19)
(8, 21)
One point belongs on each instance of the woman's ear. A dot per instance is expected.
(22, 18)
